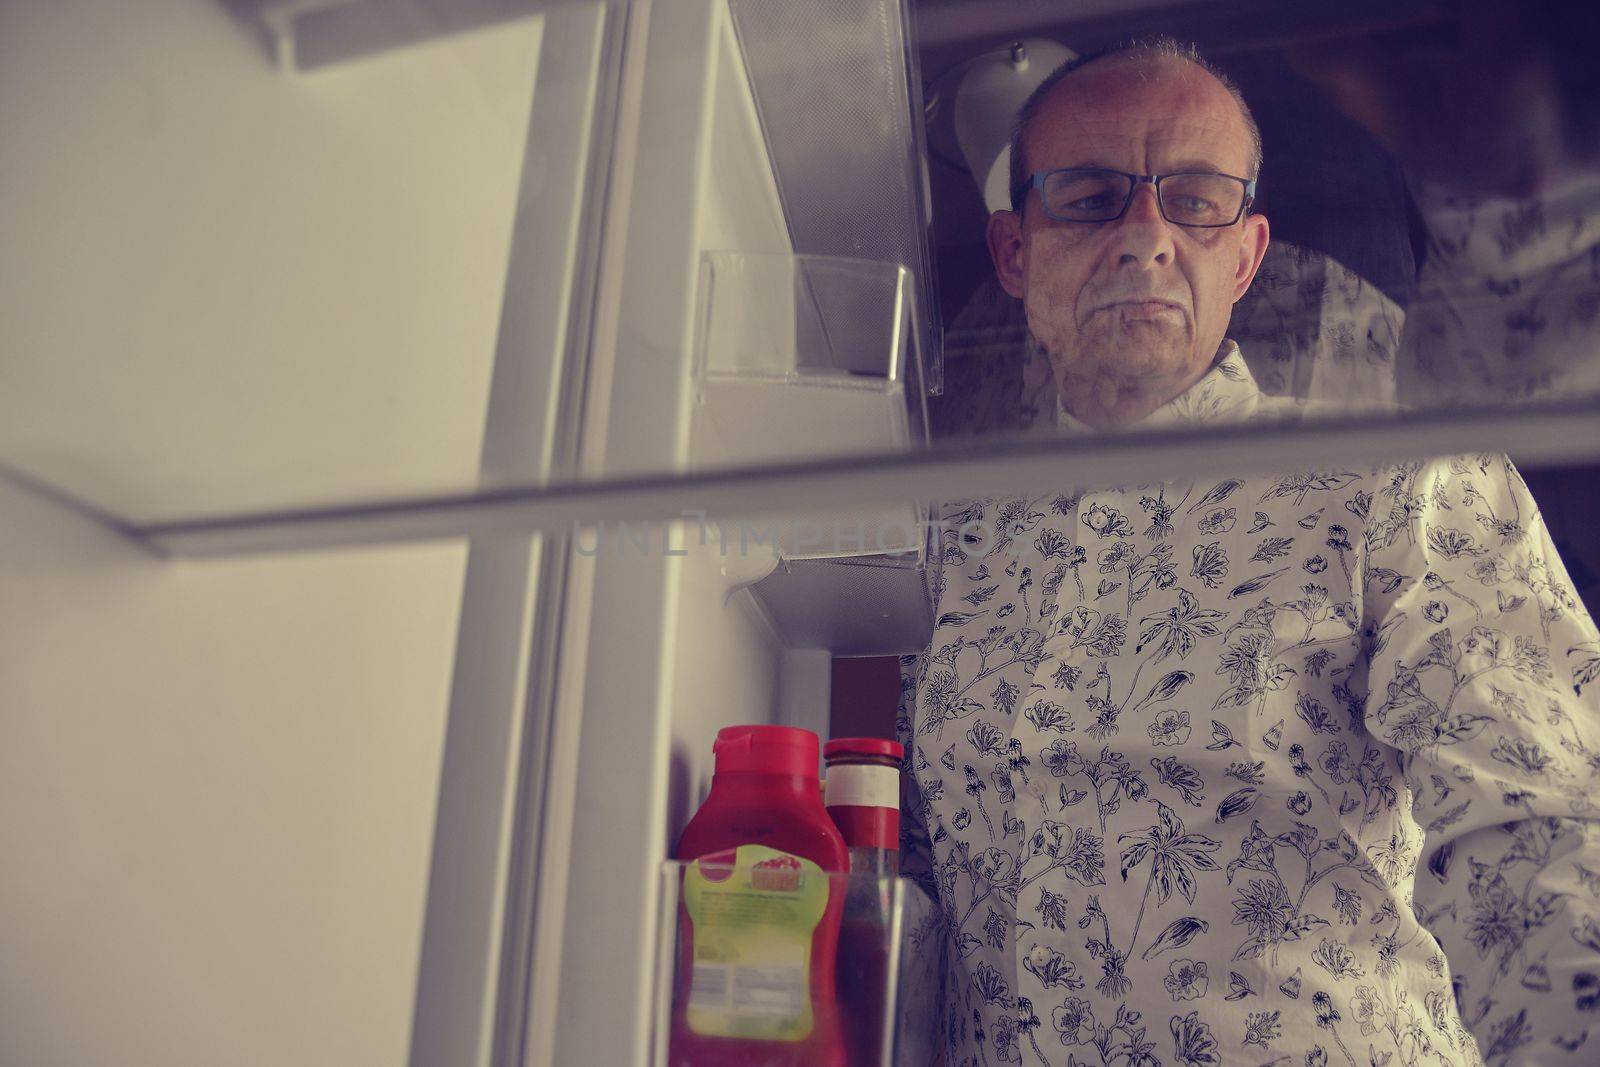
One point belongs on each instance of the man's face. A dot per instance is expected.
(1131, 312)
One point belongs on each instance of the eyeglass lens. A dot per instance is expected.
(1186, 199)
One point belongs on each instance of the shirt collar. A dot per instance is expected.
(1226, 393)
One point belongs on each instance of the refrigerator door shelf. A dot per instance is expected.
(802, 356)
(856, 606)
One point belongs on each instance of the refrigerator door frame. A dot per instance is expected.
(594, 974)
(480, 925)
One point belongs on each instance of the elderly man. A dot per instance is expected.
(1289, 770)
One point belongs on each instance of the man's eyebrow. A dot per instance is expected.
(1185, 166)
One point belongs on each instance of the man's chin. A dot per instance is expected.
(1129, 358)
(1138, 358)
(1162, 331)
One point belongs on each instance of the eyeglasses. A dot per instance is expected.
(1095, 194)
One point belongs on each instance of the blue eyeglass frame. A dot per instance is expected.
(1153, 180)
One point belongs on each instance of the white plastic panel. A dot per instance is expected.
(218, 786)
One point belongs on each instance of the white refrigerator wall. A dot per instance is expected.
(731, 668)
(217, 793)
(218, 780)
(225, 286)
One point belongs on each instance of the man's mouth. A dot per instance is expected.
(1143, 310)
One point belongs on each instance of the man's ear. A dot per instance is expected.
(1252, 247)
(1005, 248)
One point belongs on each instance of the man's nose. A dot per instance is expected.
(1142, 238)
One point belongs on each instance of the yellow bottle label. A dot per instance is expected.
(753, 922)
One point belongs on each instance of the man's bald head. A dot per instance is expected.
(1145, 52)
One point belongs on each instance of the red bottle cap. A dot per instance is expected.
(863, 746)
(766, 750)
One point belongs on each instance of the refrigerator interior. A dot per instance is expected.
(1338, 238)
(325, 252)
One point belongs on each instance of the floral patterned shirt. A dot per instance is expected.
(1275, 770)
(1508, 298)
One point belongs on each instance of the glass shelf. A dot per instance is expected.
(263, 307)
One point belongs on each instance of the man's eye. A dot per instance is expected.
(1097, 202)
(1193, 205)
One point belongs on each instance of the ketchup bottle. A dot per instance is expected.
(864, 802)
(762, 902)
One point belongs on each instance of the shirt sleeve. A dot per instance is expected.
(916, 848)
(1483, 674)
(921, 1022)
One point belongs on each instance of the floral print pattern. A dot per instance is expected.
(1505, 308)
(1260, 770)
